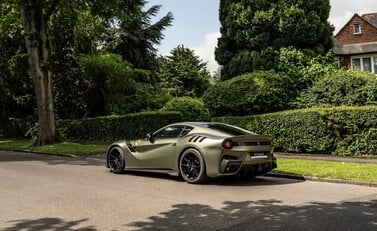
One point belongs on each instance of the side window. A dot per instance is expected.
(169, 132)
(186, 130)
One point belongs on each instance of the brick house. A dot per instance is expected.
(355, 45)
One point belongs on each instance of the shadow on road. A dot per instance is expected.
(246, 215)
(50, 224)
(221, 181)
(257, 181)
(265, 215)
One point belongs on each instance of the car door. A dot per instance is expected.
(159, 151)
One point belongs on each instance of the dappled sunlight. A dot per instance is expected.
(264, 215)
(50, 224)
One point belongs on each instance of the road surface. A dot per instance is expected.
(41, 192)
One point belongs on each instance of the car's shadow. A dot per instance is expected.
(222, 181)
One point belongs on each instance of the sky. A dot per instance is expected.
(196, 24)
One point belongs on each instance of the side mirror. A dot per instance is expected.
(149, 137)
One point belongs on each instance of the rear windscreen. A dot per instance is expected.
(233, 131)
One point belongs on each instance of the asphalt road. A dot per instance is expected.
(40, 192)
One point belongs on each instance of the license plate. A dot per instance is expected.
(258, 155)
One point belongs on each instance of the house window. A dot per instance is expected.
(356, 29)
(364, 63)
(356, 64)
(367, 66)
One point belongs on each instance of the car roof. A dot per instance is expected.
(201, 124)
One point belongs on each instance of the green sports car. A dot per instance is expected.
(195, 151)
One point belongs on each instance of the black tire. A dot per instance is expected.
(115, 160)
(192, 166)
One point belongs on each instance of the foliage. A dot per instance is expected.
(252, 32)
(74, 28)
(348, 88)
(191, 109)
(17, 101)
(136, 37)
(339, 130)
(113, 128)
(183, 73)
(113, 85)
(69, 84)
(12, 127)
(299, 70)
(252, 93)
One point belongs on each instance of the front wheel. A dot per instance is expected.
(192, 166)
(115, 160)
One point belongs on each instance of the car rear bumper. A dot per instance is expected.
(258, 166)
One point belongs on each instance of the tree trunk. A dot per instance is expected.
(38, 50)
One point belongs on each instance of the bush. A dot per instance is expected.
(252, 93)
(113, 85)
(113, 128)
(191, 109)
(15, 127)
(340, 130)
(347, 88)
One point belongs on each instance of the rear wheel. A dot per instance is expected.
(192, 166)
(115, 160)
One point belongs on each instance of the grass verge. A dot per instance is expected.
(327, 169)
(299, 167)
(59, 148)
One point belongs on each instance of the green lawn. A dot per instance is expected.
(327, 169)
(59, 148)
(300, 167)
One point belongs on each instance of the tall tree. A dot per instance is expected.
(16, 87)
(252, 32)
(35, 17)
(183, 73)
(137, 37)
(56, 34)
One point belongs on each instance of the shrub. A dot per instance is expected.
(113, 85)
(339, 130)
(113, 128)
(15, 127)
(348, 88)
(252, 93)
(191, 109)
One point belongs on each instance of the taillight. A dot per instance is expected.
(227, 144)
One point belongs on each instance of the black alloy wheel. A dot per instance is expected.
(115, 160)
(192, 167)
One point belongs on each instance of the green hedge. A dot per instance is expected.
(15, 127)
(347, 131)
(112, 128)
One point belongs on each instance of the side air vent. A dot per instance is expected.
(130, 147)
(195, 139)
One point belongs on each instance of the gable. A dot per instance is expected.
(368, 32)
